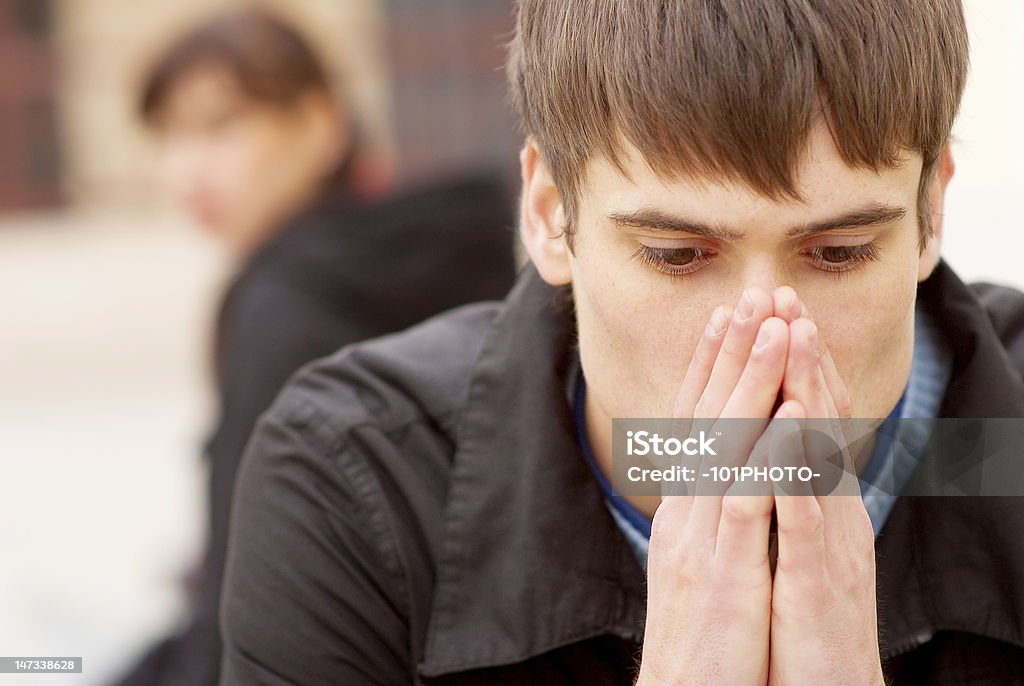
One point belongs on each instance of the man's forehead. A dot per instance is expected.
(828, 188)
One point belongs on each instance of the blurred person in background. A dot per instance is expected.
(254, 145)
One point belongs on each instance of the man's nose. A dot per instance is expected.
(762, 272)
(767, 277)
(761, 276)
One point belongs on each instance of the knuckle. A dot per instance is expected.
(762, 299)
(701, 409)
(844, 406)
(732, 510)
(863, 567)
(670, 519)
(739, 509)
(803, 521)
(733, 347)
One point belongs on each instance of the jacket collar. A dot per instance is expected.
(956, 563)
(984, 383)
(531, 558)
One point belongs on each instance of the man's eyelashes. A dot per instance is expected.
(830, 259)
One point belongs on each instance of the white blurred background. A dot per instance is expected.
(106, 306)
(984, 224)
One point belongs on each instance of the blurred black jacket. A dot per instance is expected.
(342, 271)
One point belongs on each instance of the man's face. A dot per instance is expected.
(652, 258)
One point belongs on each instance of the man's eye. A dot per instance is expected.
(841, 258)
(677, 257)
(674, 261)
(838, 254)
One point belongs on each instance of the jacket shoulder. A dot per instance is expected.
(337, 513)
(420, 375)
(1005, 308)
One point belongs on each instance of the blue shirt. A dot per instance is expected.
(888, 469)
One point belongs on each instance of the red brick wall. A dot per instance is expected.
(449, 99)
(29, 149)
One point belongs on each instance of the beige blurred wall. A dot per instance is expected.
(104, 46)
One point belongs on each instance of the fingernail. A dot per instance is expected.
(786, 411)
(763, 338)
(788, 298)
(745, 308)
(718, 322)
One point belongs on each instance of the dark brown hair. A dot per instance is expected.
(730, 88)
(270, 60)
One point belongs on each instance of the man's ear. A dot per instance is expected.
(542, 219)
(944, 168)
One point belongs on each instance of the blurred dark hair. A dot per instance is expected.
(271, 61)
(269, 58)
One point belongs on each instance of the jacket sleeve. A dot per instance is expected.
(268, 333)
(313, 592)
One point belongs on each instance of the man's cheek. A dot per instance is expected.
(871, 352)
(642, 350)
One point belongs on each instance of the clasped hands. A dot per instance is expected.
(717, 613)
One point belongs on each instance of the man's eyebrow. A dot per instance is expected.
(870, 215)
(656, 220)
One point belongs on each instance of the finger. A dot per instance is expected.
(755, 305)
(787, 305)
(848, 430)
(670, 519)
(743, 531)
(803, 381)
(825, 444)
(753, 398)
(758, 385)
(786, 440)
(836, 427)
(801, 533)
(836, 388)
(837, 399)
(696, 379)
(702, 362)
(828, 453)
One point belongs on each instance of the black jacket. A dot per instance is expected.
(416, 510)
(342, 271)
